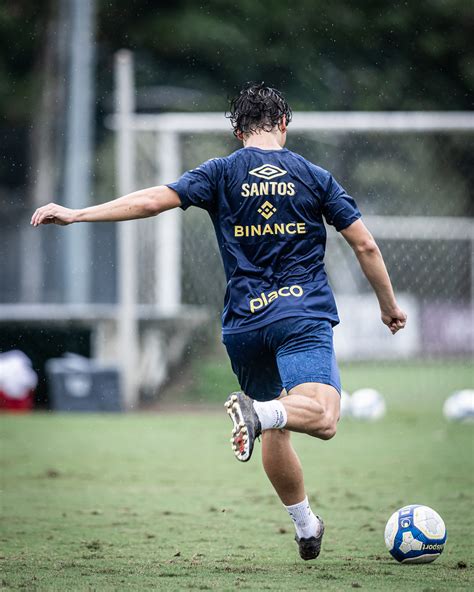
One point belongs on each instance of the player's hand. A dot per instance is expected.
(53, 214)
(395, 319)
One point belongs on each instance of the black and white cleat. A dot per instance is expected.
(309, 548)
(246, 425)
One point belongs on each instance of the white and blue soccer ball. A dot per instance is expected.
(367, 404)
(415, 534)
(460, 406)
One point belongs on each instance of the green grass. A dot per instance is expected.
(143, 501)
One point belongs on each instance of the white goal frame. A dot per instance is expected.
(168, 127)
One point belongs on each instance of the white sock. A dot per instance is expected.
(272, 414)
(306, 523)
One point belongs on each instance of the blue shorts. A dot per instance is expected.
(283, 354)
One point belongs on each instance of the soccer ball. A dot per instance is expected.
(367, 404)
(460, 406)
(345, 404)
(415, 534)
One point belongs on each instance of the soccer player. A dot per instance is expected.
(267, 205)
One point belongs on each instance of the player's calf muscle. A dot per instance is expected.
(312, 420)
(314, 410)
(322, 426)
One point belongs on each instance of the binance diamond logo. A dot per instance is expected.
(267, 172)
(267, 210)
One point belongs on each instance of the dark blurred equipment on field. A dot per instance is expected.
(82, 384)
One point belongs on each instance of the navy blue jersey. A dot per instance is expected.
(267, 207)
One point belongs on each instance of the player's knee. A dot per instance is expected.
(326, 427)
(329, 430)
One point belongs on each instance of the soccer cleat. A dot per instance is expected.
(246, 425)
(309, 548)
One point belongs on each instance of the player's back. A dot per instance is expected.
(267, 207)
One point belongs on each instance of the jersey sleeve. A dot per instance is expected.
(198, 187)
(339, 209)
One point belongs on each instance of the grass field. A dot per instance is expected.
(156, 501)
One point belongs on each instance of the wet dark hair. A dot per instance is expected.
(257, 107)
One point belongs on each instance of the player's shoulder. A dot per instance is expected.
(218, 167)
(318, 173)
(234, 161)
(311, 166)
(211, 168)
(236, 156)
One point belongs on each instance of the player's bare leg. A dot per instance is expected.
(283, 466)
(311, 408)
(280, 460)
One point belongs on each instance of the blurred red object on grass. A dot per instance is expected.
(22, 404)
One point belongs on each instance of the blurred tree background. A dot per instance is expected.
(324, 55)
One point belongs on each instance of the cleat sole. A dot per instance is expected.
(243, 436)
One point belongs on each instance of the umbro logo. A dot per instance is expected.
(267, 172)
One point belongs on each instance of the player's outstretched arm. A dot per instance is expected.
(373, 266)
(140, 204)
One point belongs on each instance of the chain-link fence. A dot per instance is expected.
(415, 191)
(407, 176)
